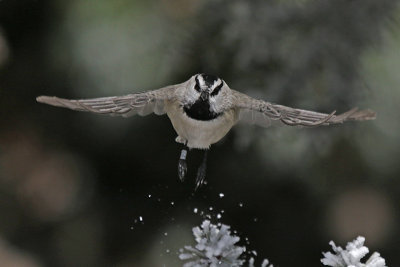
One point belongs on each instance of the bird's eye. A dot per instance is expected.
(197, 85)
(217, 89)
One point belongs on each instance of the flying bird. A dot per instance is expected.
(202, 110)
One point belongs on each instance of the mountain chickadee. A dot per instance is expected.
(202, 111)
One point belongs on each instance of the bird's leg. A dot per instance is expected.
(201, 172)
(182, 166)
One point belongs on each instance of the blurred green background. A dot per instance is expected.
(79, 189)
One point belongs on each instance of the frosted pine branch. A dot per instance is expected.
(215, 247)
(352, 255)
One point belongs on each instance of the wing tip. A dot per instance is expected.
(53, 101)
(42, 98)
(366, 114)
(47, 99)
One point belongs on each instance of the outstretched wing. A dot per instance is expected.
(128, 105)
(261, 113)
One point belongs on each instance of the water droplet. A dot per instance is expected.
(219, 216)
(195, 210)
(172, 203)
(255, 219)
(210, 208)
(131, 227)
(240, 204)
(165, 233)
(149, 195)
(222, 211)
(167, 250)
(221, 195)
(141, 218)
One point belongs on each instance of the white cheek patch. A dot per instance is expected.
(215, 84)
(192, 95)
(201, 81)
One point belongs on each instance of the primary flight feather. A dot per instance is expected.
(203, 110)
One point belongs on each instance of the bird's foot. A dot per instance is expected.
(201, 172)
(201, 176)
(182, 169)
(182, 165)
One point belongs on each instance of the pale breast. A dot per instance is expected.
(200, 134)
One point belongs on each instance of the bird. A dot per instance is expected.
(202, 111)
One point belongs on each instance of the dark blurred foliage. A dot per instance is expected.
(78, 189)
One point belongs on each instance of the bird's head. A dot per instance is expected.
(206, 88)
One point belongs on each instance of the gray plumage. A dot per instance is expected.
(230, 106)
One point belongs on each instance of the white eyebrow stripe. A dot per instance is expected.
(201, 80)
(216, 84)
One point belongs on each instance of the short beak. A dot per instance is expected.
(204, 95)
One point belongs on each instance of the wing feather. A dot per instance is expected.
(127, 105)
(251, 110)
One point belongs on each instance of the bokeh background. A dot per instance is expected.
(79, 189)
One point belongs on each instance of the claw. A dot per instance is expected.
(201, 172)
(201, 176)
(182, 169)
(182, 166)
